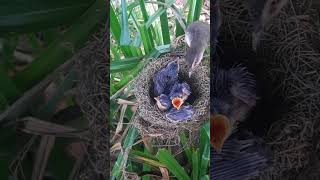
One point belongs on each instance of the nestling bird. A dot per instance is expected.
(165, 79)
(163, 102)
(233, 94)
(183, 114)
(241, 158)
(262, 12)
(179, 94)
(197, 38)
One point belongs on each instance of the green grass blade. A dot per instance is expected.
(3, 103)
(195, 165)
(151, 162)
(144, 10)
(179, 29)
(146, 39)
(197, 10)
(36, 15)
(146, 17)
(6, 55)
(192, 7)
(164, 26)
(145, 154)
(114, 52)
(127, 79)
(204, 148)
(165, 157)
(157, 51)
(125, 34)
(158, 13)
(115, 27)
(8, 88)
(125, 64)
(186, 147)
(128, 142)
(206, 177)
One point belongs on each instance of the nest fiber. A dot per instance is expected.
(153, 121)
(291, 51)
(93, 98)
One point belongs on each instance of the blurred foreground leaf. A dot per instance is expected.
(36, 15)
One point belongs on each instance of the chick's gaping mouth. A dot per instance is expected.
(177, 102)
(218, 131)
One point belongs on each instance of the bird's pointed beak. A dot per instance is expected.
(177, 102)
(220, 130)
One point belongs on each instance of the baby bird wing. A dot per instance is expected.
(243, 85)
(239, 159)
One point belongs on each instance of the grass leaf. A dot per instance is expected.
(204, 148)
(125, 34)
(36, 15)
(128, 142)
(165, 157)
(195, 165)
(197, 10)
(164, 26)
(124, 64)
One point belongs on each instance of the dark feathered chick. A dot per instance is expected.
(165, 79)
(183, 114)
(163, 102)
(262, 12)
(197, 38)
(179, 94)
(240, 158)
(233, 95)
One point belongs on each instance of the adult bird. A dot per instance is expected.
(243, 156)
(232, 96)
(197, 38)
(262, 12)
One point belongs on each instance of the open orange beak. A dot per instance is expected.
(177, 102)
(220, 130)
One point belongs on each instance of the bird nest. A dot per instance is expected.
(153, 122)
(93, 98)
(289, 54)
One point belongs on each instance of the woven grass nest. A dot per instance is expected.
(93, 98)
(150, 120)
(289, 54)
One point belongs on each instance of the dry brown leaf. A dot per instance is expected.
(116, 147)
(165, 173)
(35, 126)
(123, 101)
(42, 156)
